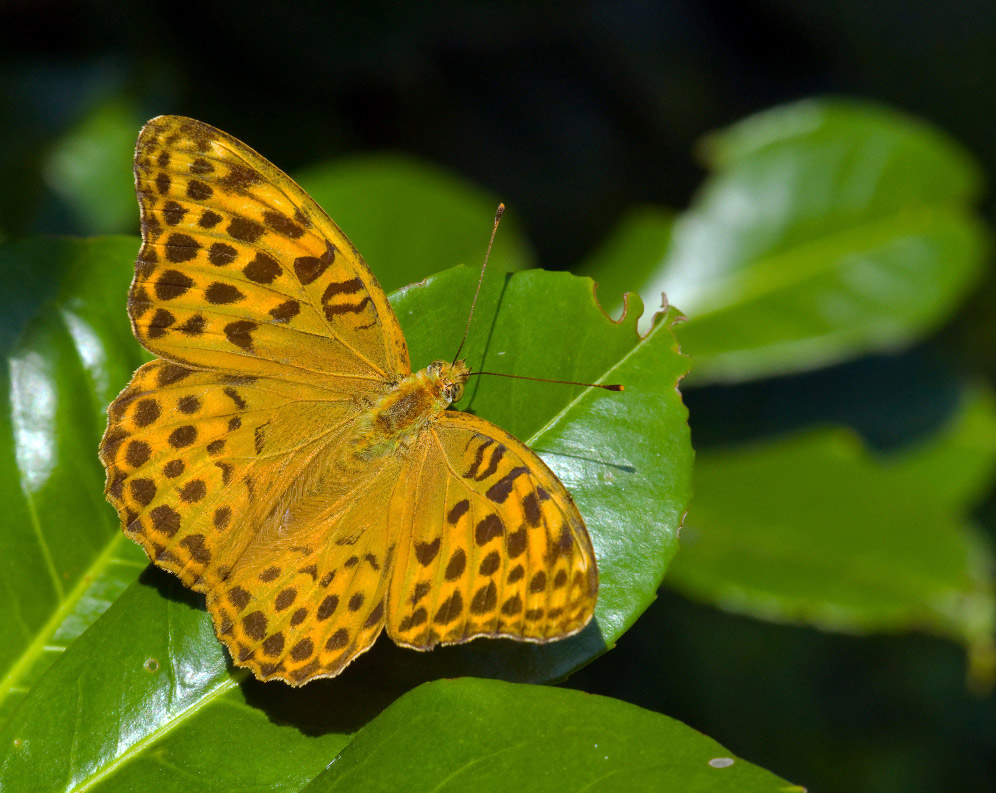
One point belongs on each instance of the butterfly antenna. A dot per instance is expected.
(480, 280)
(607, 387)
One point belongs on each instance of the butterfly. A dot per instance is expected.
(280, 456)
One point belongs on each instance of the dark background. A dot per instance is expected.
(574, 113)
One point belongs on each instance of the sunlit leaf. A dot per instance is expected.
(151, 681)
(485, 735)
(826, 230)
(67, 350)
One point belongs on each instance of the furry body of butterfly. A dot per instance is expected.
(418, 399)
(280, 456)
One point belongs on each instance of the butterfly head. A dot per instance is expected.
(447, 379)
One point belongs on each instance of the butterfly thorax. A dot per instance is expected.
(415, 401)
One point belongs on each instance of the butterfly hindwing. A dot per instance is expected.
(308, 595)
(496, 548)
(241, 271)
(194, 459)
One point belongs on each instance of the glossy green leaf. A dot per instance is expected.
(814, 528)
(469, 734)
(410, 219)
(67, 351)
(625, 457)
(145, 695)
(826, 230)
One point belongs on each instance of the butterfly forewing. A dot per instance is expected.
(241, 271)
(496, 546)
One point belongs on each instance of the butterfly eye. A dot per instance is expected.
(454, 391)
(435, 367)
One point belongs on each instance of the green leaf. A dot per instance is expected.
(67, 351)
(629, 259)
(825, 231)
(108, 714)
(89, 168)
(484, 735)
(410, 219)
(625, 457)
(815, 529)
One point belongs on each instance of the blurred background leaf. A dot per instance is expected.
(410, 220)
(89, 167)
(826, 230)
(811, 528)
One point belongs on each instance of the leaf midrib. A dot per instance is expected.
(233, 680)
(69, 602)
(769, 274)
(662, 322)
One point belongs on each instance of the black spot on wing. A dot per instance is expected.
(478, 459)
(500, 490)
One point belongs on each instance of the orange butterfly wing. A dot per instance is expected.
(195, 460)
(274, 336)
(492, 545)
(241, 271)
(308, 594)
